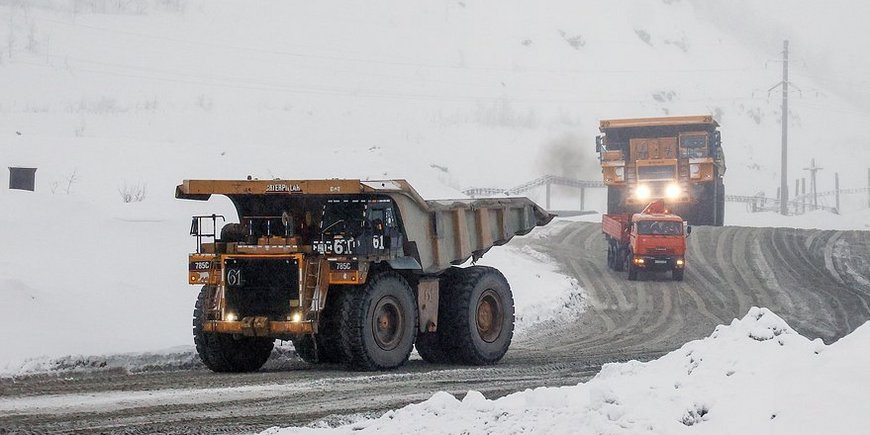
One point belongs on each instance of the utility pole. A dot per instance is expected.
(813, 169)
(783, 209)
(783, 186)
(797, 189)
(803, 195)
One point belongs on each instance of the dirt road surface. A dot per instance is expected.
(819, 281)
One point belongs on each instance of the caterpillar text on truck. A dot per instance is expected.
(353, 272)
(676, 159)
(653, 240)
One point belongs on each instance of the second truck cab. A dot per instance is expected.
(653, 240)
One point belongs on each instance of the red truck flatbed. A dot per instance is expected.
(616, 226)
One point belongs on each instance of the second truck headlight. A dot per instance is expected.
(642, 192)
(673, 191)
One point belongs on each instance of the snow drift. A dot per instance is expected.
(756, 375)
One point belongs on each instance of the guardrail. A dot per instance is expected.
(755, 203)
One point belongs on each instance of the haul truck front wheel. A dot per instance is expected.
(378, 323)
(225, 352)
(477, 316)
(325, 347)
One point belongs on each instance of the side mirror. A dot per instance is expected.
(688, 230)
(599, 144)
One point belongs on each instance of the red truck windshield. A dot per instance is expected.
(669, 228)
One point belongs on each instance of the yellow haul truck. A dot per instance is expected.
(676, 159)
(353, 272)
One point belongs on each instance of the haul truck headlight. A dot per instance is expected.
(642, 192)
(231, 317)
(673, 191)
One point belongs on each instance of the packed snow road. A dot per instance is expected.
(819, 281)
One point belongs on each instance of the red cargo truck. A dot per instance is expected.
(653, 240)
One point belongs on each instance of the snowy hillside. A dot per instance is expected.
(109, 99)
(488, 93)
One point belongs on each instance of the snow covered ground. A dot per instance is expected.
(108, 97)
(756, 375)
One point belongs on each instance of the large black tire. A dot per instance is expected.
(618, 260)
(632, 271)
(432, 349)
(705, 212)
(233, 232)
(720, 201)
(476, 313)
(325, 347)
(378, 323)
(614, 200)
(611, 256)
(677, 274)
(306, 349)
(225, 352)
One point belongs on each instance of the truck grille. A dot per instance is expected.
(261, 286)
(660, 251)
(666, 172)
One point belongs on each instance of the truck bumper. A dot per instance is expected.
(653, 264)
(258, 327)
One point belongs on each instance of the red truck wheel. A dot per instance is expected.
(632, 271)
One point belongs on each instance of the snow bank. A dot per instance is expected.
(755, 375)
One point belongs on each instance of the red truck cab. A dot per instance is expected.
(653, 240)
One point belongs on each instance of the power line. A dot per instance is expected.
(415, 64)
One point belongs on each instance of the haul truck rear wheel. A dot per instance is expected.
(225, 352)
(378, 323)
(478, 316)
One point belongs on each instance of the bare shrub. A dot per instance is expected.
(132, 193)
